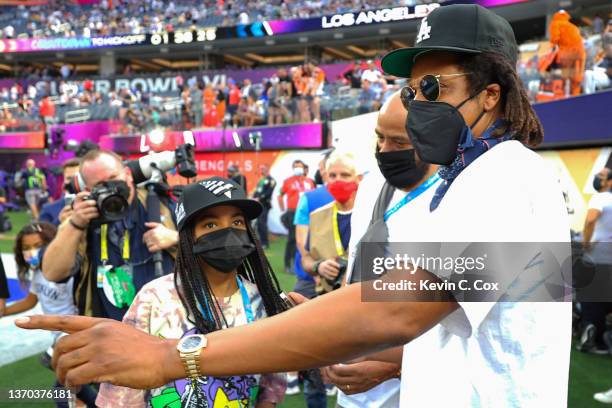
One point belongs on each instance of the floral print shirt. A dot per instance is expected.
(157, 310)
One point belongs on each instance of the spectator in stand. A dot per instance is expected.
(315, 80)
(263, 194)
(372, 74)
(210, 107)
(600, 75)
(35, 186)
(197, 107)
(292, 189)
(353, 75)
(248, 89)
(179, 83)
(241, 116)
(368, 102)
(186, 107)
(288, 93)
(65, 70)
(58, 211)
(255, 113)
(598, 24)
(233, 98)
(275, 112)
(221, 103)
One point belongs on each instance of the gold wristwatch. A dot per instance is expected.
(189, 348)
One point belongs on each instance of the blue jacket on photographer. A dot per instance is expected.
(106, 241)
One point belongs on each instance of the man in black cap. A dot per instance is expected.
(468, 113)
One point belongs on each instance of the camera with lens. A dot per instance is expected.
(111, 199)
(182, 159)
(328, 285)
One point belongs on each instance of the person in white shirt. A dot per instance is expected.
(469, 113)
(374, 384)
(372, 74)
(597, 240)
(54, 297)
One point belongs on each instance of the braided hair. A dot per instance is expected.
(493, 68)
(195, 292)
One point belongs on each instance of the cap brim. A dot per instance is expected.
(399, 62)
(251, 209)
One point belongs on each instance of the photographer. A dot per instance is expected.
(110, 262)
(330, 225)
(57, 211)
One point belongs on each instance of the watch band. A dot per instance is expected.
(189, 348)
(191, 363)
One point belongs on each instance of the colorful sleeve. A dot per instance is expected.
(272, 388)
(302, 212)
(138, 315)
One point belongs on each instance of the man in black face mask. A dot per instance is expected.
(58, 211)
(407, 185)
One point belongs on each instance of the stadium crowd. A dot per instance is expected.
(108, 17)
(211, 240)
(291, 95)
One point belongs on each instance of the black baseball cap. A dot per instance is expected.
(212, 192)
(464, 28)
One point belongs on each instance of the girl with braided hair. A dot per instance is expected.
(221, 279)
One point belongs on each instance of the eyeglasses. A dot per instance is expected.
(429, 85)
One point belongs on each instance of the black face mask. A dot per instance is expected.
(400, 168)
(318, 179)
(224, 249)
(598, 182)
(435, 130)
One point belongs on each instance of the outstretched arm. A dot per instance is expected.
(107, 351)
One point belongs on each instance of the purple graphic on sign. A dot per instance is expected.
(299, 136)
(22, 140)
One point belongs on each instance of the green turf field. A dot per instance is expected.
(588, 373)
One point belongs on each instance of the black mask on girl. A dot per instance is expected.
(400, 167)
(435, 130)
(225, 249)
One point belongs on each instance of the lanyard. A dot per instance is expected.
(337, 239)
(412, 195)
(104, 245)
(246, 301)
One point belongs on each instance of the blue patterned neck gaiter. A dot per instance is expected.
(470, 148)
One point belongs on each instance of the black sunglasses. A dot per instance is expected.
(429, 86)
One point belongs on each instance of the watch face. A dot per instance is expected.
(192, 343)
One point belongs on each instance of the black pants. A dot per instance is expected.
(290, 248)
(595, 313)
(262, 226)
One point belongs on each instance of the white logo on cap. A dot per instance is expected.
(180, 213)
(218, 187)
(424, 31)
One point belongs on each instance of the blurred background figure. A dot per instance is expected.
(571, 55)
(233, 172)
(263, 194)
